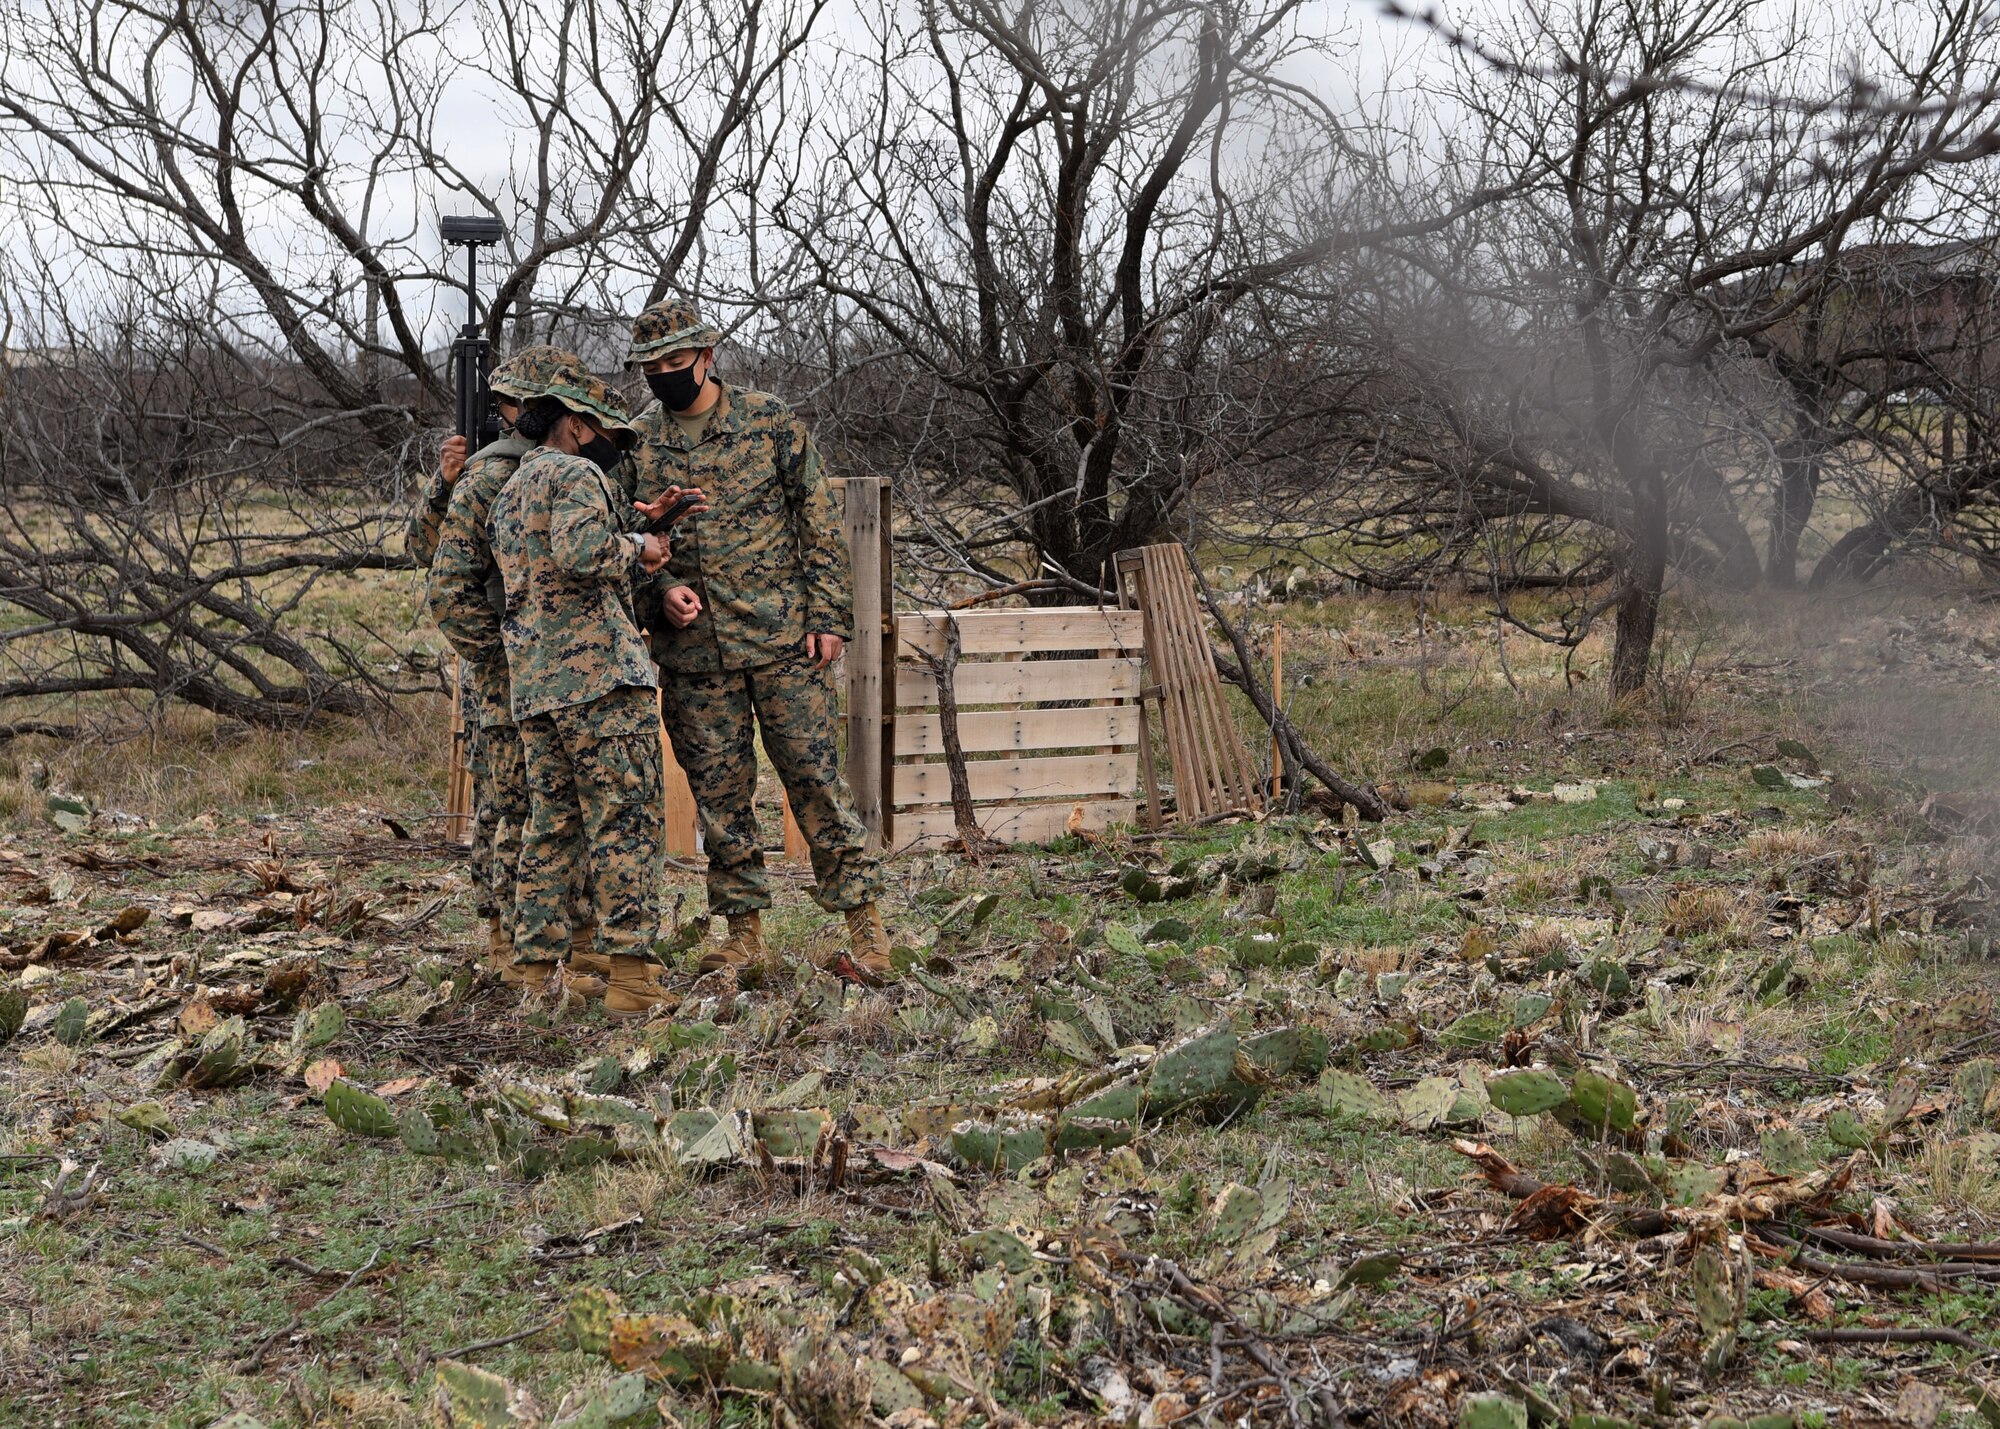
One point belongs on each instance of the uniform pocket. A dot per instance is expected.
(627, 767)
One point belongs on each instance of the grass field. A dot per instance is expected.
(1760, 1004)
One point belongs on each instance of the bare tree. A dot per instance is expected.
(1054, 248)
(223, 275)
(1579, 351)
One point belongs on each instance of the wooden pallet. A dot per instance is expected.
(1051, 742)
(1211, 767)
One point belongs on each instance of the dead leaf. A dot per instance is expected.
(198, 1017)
(321, 1075)
(399, 1086)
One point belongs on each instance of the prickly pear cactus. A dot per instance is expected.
(1003, 1146)
(1235, 1214)
(419, 1132)
(14, 1011)
(72, 1022)
(1526, 1091)
(1603, 1102)
(1897, 1106)
(624, 1401)
(1976, 1081)
(1721, 1295)
(317, 1025)
(470, 1398)
(588, 1315)
(361, 1113)
(218, 1061)
(1348, 1094)
(1492, 1411)
(1199, 1067)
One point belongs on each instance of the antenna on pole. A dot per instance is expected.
(477, 421)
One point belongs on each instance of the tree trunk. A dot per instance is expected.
(1645, 563)
(1791, 510)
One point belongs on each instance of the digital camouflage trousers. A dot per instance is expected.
(500, 809)
(713, 720)
(596, 821)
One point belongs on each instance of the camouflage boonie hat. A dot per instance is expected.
(581, 392)
(668, 326)
(528, 372)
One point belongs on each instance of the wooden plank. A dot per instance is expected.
(886, 724)
(458, 811)
(1004, 682)
(865, 672)
(1014, 823)
(1049, 777)
(683, 821)
(986, 731)
(995, 632)
(796, 849)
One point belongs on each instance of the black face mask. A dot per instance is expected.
(603, 451)
(677, 390)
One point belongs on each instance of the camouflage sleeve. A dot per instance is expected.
(458, 599)
(427, 521)
(817, 528)
(586, 535)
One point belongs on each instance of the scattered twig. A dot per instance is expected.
(254, 1361)
(493, 1344)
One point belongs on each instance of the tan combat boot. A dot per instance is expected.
(583, 954)
(743, 948)
(636, 989)
(538, 977)
(499, 946)
(868, 960)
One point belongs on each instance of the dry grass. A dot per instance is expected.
(174, 763)
(1784, 845)
(1698, 912)
(1539, 940)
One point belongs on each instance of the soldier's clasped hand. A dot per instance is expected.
(451, 459)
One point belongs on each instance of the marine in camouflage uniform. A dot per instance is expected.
(467, 599)
(769, 567)
(584, 695)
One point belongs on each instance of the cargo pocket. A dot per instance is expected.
(628, 767)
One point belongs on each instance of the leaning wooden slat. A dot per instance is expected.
(986, 731)
(1001, 682)
(994, 632)
(1231, 760)
(1190, 786)
(1054, 776)
(1198, 781)
(1015, 823)
(1172, 580)
(1127, 577)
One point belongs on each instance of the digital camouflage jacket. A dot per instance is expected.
(463, 575)
(570, 568)
(768, 559)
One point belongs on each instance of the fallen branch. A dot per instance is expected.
(1900, 1249)
(36, 726)
(1926, 1335)
(1292, 747)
